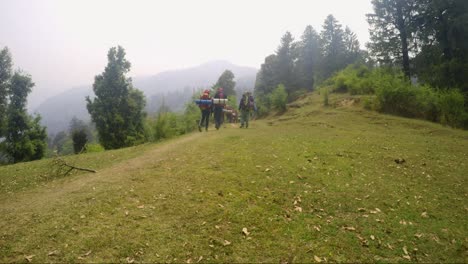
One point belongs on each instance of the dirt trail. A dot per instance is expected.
(53, 193)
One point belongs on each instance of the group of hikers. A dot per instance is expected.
(217, 105)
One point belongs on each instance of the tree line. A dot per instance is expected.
(300, 65)
(427, 40)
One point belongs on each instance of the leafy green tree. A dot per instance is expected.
(226, 81)
(5, 75)
(25, 137)
(80, 134)
(77, 124)
(80, 139)
(117, 109)
(442, 28)
(392, 31)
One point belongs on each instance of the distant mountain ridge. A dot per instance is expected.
(57, 111)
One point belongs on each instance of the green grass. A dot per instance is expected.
(314, 182)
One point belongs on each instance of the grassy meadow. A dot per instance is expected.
(315, 184)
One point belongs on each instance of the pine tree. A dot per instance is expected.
(352, 46)
(285, 61)
(308, 58)
(117, 109)
(333, 47)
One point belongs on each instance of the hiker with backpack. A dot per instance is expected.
(219, 106)
(246, 106)
(206, 109)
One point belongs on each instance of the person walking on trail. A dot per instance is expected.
(205, 111)
(246, 106)
(218, 108)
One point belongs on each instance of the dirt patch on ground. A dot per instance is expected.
(347, 102)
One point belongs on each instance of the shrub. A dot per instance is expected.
(325, 97)
(279, 98)
(452, 108)
(90, 148)
(394, 94)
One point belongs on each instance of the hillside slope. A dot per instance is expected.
(314, 184)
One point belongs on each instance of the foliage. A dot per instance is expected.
(5, 75)
(92, 148)
(325, 92)
(332, 47)
(25, 137)
(392, 31)
(117, 109)
(300, 65)
(77, 124)
(80, 138)
(394, 94)
(279, 98)
(226, 81)
(430, 36)
(59, 141)
(169, 124)
(285, 64)
(308, 58)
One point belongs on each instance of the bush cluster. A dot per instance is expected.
(392, 93)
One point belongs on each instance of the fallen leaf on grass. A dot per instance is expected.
(126, 213)
(245, 231)
(361, 209)
(84, 255)
(53, 253)
(372, 237)
(29, 258)
(424, 215)
(317, 259)
(226, 243)
(349, 228)
(267, 170)
(364, 241)
(317, 228)
(405, 250)
(200, 259)
(297, 208)
(141, 206)
(407, 257)
(418, 235)
(217, 226)
(130, 260)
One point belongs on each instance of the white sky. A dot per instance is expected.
(63, 43)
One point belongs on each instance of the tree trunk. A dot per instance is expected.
(403, 38)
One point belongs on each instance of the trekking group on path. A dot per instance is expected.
(217, 105)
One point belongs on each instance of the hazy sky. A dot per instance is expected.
(63, 43)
